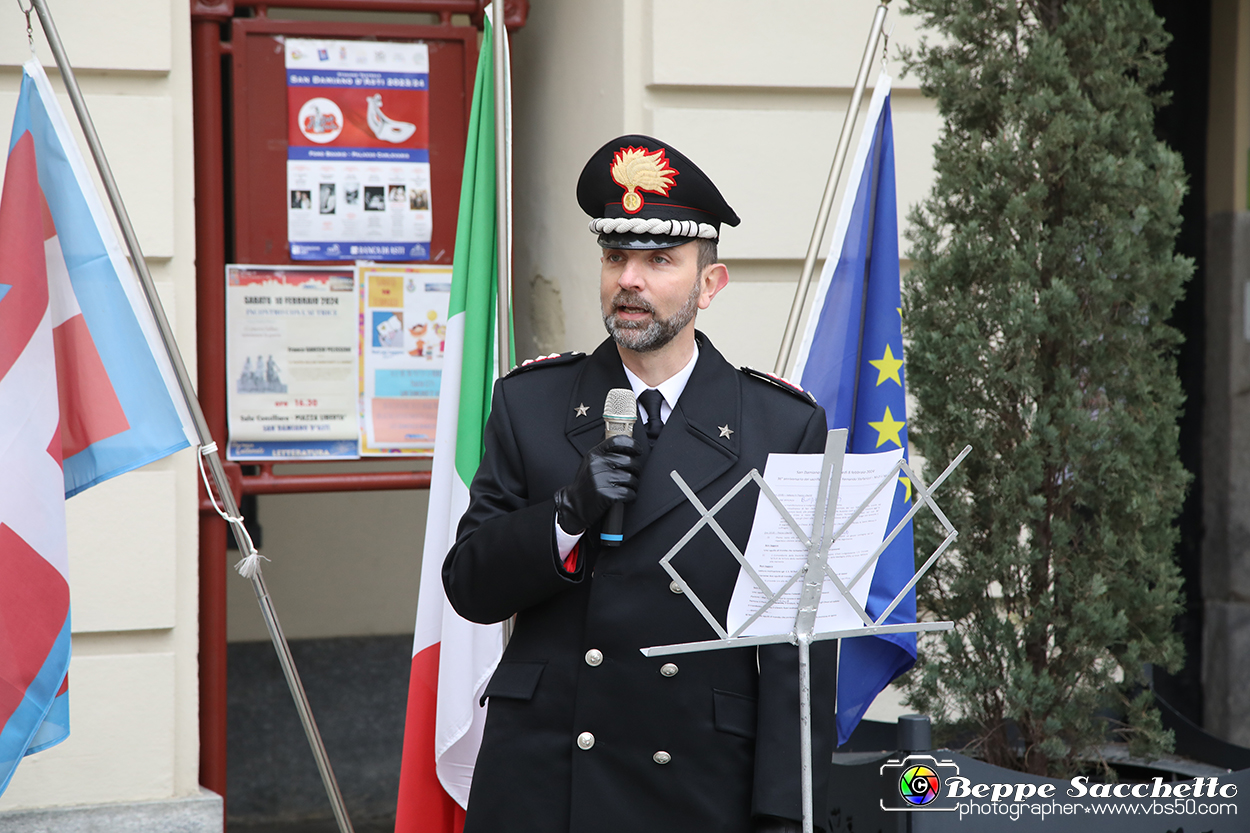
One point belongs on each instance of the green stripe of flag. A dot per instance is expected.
(473, 283)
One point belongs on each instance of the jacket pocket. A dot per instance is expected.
(734, 713)
(514, 680)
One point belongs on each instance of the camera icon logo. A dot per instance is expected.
(919, 785)
(914, 783)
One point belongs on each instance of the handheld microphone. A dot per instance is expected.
(620, 411)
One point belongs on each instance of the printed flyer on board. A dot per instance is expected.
(292, 353)
(358, 160)
(404, 312)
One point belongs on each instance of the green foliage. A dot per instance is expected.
(1044, 276)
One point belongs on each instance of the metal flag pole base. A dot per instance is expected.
(812, 575)
(208, 449)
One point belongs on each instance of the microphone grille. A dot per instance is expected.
(620, 405)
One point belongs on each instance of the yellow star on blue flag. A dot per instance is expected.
(888, 367)
(888, 429)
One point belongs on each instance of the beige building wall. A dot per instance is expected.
(756, 97)
(340, 564)
(133, 559)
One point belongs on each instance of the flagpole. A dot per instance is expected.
(499, 35)
(208, 449)
(863, 300)
(826, 202)
(503, 200)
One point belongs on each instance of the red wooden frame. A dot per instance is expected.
(208, 54)
(259, 105)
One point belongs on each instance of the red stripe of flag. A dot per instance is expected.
(21, 241)
(54, 447)
(90, 411)
(423, 803)
(34, 601)
(49, 227)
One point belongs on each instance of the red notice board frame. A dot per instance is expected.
(259, 134)
(240, 147)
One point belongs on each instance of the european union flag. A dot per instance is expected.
(851, 360)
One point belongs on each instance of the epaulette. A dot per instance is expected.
(784, 384)
(546, 361)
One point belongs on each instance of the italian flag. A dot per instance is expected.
(452, 659)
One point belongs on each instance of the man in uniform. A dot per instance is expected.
(585, 734)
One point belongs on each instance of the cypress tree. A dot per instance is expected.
(1044, 274)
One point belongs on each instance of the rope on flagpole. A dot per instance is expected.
(826, 203)
(250, 564)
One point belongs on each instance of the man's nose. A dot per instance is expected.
(632, 275)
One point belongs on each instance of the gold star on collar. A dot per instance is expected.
(725, 431)
(581, 410)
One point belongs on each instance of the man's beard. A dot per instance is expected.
(644, 336)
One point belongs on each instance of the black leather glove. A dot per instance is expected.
(608, 474)
(774, 824)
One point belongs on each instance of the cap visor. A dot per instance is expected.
(641, 241)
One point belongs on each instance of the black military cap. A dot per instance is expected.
(644, 194)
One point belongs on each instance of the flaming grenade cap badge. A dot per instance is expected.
(634, 169)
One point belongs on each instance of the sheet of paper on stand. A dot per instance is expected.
(776, 553)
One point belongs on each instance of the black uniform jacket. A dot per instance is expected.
(727, 720)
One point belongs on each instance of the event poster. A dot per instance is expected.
(292, 353)
(403, 338)
(358, 161)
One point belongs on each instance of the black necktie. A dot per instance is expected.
(650, 400)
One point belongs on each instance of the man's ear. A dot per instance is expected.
(715, 277)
